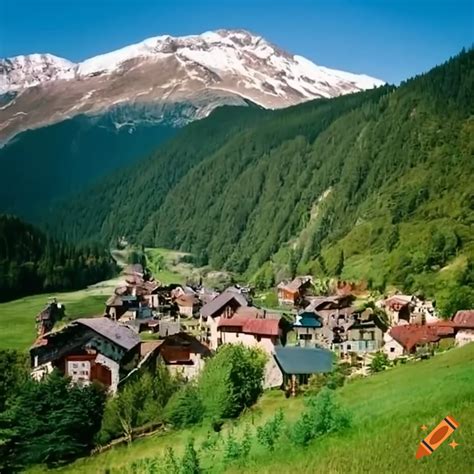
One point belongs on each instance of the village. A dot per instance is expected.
(181, 326)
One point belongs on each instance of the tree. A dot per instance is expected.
(340, 264)
(13, 373)
(185, 407)
(231, 381)
(51, 421)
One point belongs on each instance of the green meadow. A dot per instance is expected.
(388, 410)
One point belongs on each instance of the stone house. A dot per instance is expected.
(292, 293)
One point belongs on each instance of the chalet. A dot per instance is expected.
(464, 324)
(291, 293)
(224, 305)
(188, 305)
(183, 354)
(365, 334)
(87, 350)
(297, 364)
(407, 339)
(250, 327)
(309, 328)
(403, 309)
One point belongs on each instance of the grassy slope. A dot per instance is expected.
(17, 318)
(388, 410)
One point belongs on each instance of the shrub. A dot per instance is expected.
(232, 449)
(185, 407)
(322, 416)
(190, 461)
(269, 433)
(379, 362)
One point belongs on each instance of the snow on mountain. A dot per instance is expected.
(206, 70)
(20, 72)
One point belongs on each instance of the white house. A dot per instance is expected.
(464, 324)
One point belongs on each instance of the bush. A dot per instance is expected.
(232, 449)
(322, 416)
(231, 381)
(269, 433)
(185, 407)
(190, 461)
(379, 362)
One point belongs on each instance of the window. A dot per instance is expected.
(392, 349)
(306, 337)
(237, 335)
(74, 365)
(258, 338)
(349, 347)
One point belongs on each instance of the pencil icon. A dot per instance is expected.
(437, 437)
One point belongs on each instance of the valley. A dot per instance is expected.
(218, 256)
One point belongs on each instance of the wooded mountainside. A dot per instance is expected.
(30, 262)
(375, 185)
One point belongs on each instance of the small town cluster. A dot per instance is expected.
(180, 325)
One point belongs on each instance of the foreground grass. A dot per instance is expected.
(388, 410)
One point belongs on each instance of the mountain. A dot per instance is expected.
(374, 185)
(208, 70)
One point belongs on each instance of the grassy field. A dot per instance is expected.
(388, 411)
(17, 317)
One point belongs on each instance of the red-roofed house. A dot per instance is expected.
(463, 321)
(407, 338)
(251, 331)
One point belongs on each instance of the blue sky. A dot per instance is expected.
(389, 39)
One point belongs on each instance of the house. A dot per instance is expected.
(87, 350)
(365, 334)
(47, 317)
(309, 328)
(409, 309)
(406, 339)
(291, 293)
(183, 354)
(297, 364)
(250, 327)
(224, 305)
(188, 305)
(464, 324)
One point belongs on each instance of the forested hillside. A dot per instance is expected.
(30, 262)
(375, 186)
(58, 160)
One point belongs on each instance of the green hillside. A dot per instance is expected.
(374, 186)
(388, 410)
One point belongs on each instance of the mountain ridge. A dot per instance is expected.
(228, 64)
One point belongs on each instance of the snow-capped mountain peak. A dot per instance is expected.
(215, 67)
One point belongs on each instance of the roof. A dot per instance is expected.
(464, 319)
(303, 360)
(187, 300)
(412, 335)
(213, 307)
(308, 319)
(148, 346)
(400, 299)
(320, 301)
(114, 300)
(133, 268)
(262, 327)
(116, 333)
(294, 285)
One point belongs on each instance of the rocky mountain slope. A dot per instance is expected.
(205, 71)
